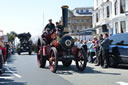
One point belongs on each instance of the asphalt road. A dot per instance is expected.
(23, 70)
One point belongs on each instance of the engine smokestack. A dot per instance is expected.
(65, 16)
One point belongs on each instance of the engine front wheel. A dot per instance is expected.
(81, 59)
(53, 59)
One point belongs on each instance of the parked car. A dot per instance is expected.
(119, 49)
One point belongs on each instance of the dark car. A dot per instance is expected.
(119, 49)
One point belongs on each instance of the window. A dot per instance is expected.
(103, 12)
(97, 17)
(97, 2)
(78, 20)
(87, 10)
(122, 6)
(123, 26)
(77, 11)
(116, 28)
(81, 11)
(108, 12)
(116, 7)
(82, 20)
(119, 39)
(72, 29)
(90, 10)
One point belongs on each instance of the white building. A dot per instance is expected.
(110, 16)
(80, 20)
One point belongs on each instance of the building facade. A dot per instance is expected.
(110, 16)
(79, 20)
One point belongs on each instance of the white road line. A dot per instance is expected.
(6, 77)
(17, 75)
(122, 83)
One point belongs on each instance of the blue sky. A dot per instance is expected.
(27, 15)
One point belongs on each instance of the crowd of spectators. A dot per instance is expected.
(97, 49)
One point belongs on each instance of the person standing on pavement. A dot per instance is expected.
(81, 43)
(105, 51)
(92, 52)
(77, 43)
(95, 46)
(85, 46)
(98, 50)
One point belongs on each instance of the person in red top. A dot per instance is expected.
(3, 52)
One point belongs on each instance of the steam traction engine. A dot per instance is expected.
(25, 43)
(54, 48)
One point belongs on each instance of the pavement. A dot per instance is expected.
(23, 70)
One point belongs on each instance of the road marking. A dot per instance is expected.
(122, 83)
(17, 75)
(6, 77)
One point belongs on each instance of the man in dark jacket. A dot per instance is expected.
(98, 50)
(105, 51)
(50, 26)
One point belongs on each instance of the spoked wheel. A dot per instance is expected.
(81, 59)
(67, 63)
(40, 58)
(53, 59)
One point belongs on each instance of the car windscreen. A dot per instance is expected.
(119, 39)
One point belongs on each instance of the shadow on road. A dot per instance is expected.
(7, 79)
(10, 82)
(11, 59)
(89, 70)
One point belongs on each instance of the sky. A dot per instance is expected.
(32, 15)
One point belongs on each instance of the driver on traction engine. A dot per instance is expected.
(50, 27)
(49, 31)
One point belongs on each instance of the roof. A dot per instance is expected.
(77, 12)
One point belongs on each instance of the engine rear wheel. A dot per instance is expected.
(53, 59)
(67, 63)
(40, 58)
(81, 59)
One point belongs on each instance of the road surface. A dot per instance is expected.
(23, 70)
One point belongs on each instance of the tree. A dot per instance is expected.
(11, 36)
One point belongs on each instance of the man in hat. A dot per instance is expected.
(50, 26)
